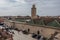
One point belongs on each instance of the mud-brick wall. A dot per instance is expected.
(33, 29)
(45, 31)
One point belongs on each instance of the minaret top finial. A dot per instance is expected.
(33, 5)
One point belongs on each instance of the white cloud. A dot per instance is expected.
(2, 2)
(11, 2)
(21, 1)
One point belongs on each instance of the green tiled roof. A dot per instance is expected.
(54, 23)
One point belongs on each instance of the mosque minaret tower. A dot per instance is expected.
(33, 12)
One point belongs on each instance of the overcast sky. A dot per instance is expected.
(23, 7)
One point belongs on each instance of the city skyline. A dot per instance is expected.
(23, 7)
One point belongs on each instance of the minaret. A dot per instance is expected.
(33, 12)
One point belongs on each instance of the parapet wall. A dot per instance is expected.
(45, 31)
